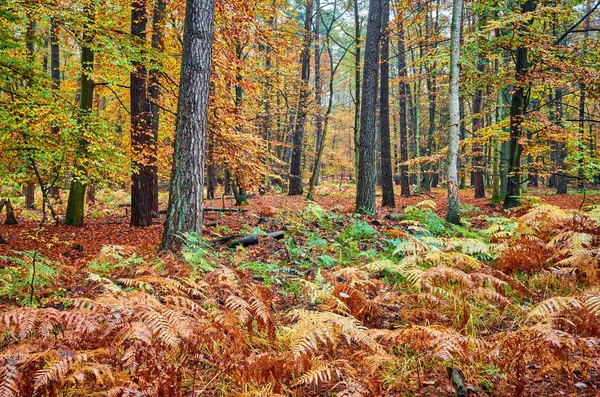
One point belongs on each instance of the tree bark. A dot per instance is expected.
(55, 74)
(154, 92)
(562, 177)
(142, 177)
(357, 83)
(402, 95)
(365, 189)
(477, 147)
(453, 215)
(184, 214)
(387, 182)
(75, 205)
(295, 187)
(517, 115)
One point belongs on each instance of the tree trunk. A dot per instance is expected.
(562, 177)
(357, 83)
(154, 94)
(142, 177)
(517, 115)
(477, 147)
(295, 187)
(453, 214)
(365, 189)
(75, 205)
(318, 91)
(53, 191)
(184, 214)
(10, 214)
(387, 183)
(402, 95)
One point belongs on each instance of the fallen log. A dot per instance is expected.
(213, 209)
(396, 217)
(245, 241)
(216, 209)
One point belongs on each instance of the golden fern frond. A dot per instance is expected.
(323, 293)
(415, 246)
(553, 306)
(469, 246)
(592, 302)
(544, 213)
(571, 240)
(57, 370)
(427, 204)
(325, 372)
(312, 328)
(167, 284)
(106, 283)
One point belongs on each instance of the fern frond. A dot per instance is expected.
(554, 306)
(8, 379)
(325, 372)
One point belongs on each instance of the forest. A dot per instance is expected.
(299, 198)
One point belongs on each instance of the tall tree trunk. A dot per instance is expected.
(453, 214)
(142, 176)
(184, 214)
(55, 74)
(29, 189)
(357, 83)
(237, 183)
(158, 22)
(332, 71)
(75, 205)
(517, 115)
(402, 96)
(387, 182)
(477, 147)
(562, 177)
(318, 90)
(295, 188)
(365, 189)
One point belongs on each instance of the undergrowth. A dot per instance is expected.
(353, 309)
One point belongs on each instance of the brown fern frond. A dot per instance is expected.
(8, 379)
(445, 274)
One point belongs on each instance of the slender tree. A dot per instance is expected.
(184, 214)
(142, 176)
(55, 74)
(518, 107)
(387, 182)
(365, 188)
(402, 99)
(75, 204)
(295, 187)
(357, 83)
(154, 92)
(453, 215)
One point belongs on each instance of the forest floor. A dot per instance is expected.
(350, 305)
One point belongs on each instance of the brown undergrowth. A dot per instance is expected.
(340, 307)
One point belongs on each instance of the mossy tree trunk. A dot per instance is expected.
(75, 206)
